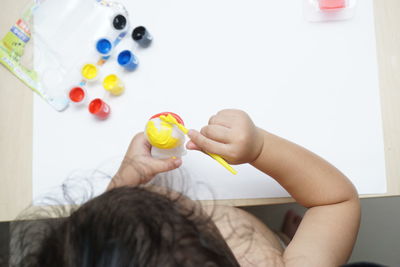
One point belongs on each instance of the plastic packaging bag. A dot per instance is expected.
(42, 51)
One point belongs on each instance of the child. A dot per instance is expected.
(133, 225)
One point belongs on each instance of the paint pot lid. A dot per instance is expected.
(104, 46)
(138, 33)
(77, 94)
(119, 22)
(89, 71)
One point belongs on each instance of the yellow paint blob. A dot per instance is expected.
(161, 137)
(89, 71)
(113, 84)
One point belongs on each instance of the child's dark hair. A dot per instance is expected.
(127, 226)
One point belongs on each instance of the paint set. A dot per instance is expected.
(56, 71)
(111, 83)
(329, 10)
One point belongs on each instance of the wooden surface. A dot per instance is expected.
(16, 129)
(16, 114)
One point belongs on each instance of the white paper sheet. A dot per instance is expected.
(313, 83)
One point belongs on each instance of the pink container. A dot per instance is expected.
(331, 4)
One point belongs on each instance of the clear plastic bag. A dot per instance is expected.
(46, 51)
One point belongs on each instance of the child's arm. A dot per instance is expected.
(138, 166)
(329, 228)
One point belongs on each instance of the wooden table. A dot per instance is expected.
(16, 114)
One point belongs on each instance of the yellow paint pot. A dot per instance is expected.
(90, 72)
(113, 84)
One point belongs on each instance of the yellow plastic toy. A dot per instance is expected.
(168, 118)
(166, 139)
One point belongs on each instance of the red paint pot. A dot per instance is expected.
(77, 94)
(99, 108)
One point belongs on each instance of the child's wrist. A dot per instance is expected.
(125, 177)
(259, 144)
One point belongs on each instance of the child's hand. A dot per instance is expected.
(230, 133)
(138, 166)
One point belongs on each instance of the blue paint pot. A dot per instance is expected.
(104, 46)
(128, 60)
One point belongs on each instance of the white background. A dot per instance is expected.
(313, 83)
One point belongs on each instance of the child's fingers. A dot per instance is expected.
(217, 133)
(219, 120)
(207, 144)
(139, 145)
(163, 165)
(192, 146)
